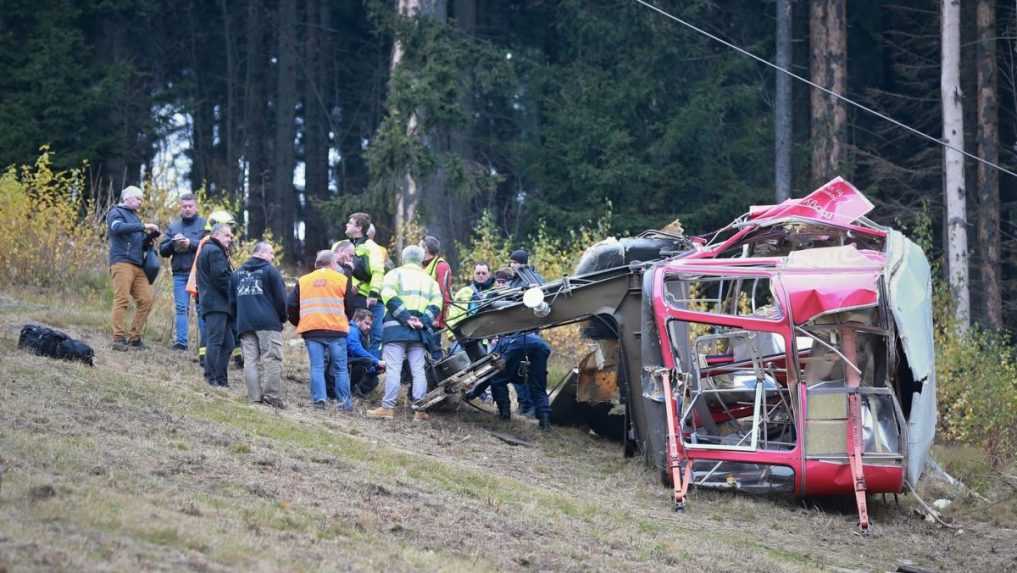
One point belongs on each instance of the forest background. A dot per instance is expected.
(497, 124)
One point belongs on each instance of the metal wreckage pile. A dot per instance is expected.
(789, 352)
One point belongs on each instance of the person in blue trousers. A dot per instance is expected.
(180, 243)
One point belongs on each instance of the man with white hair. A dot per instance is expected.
(412, 303)
(128, 236)
(213, 270)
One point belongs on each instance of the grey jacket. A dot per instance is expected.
(182, 260)
(127, 236)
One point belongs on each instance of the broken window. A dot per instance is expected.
(734, 399)
(750, 478)
(748, 296)
(850, 352)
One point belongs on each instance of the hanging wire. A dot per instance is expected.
(827, 91)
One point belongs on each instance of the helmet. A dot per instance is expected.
(219, 216)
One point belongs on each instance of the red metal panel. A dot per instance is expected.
(829, 478)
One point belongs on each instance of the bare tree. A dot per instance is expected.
(782, 105)
(828, 67)
(953, 163)
(988, 244)
(284, 199)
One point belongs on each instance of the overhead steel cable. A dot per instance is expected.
(827, 91)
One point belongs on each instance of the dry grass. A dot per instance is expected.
(136, 465)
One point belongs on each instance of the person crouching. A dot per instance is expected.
(318, 307)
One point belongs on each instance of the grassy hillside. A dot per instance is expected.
(136, 464)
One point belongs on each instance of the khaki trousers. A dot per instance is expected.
(262, 364)
(129, 282)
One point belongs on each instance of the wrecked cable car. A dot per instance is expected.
(789, 352)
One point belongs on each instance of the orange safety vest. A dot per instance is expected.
(192, 279)
(321, 301)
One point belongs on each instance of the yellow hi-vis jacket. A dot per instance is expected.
(461, 303)
(322, 304)
(408, 291)
(375, 255)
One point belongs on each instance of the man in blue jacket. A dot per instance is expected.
(525, 357)
(364, 366)
(180, 243)
(259, 303)
(128, 237)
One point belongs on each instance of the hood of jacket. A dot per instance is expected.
(254, 263)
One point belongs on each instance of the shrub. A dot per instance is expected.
(976, 379)
(45, 241)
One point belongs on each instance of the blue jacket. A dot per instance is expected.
(355, 346)
(524, 342)
(127, 236)
(258, 297)
(193, 229)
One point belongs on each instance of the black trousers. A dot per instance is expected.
(219, 346)
(363, 378)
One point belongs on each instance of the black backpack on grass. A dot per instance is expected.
(54, 344)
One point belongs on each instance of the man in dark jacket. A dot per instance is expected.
(525, 356)
(213, 278)
(128, 237)
(259, 303)
(525, 275)
(180, 242)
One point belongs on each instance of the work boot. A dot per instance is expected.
(136, 344)
(320, 405)
(381, 412)
(545, 422)
(180, 347)
(421, 416)
(120, 344)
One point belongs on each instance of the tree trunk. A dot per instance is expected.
(229, 114)
(255, 124)
(283, 205)
(953, 163)
(316, 125)
(406, 201)
(828, 47)
(988, 178)
(782, 105)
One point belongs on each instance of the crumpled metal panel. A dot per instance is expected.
(836, 202)
(910, 297)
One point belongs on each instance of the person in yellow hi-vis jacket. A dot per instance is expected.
(368, 272)
(413, 303)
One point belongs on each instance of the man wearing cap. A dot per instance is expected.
(180, 243)
(525, 275)
(128, 237)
